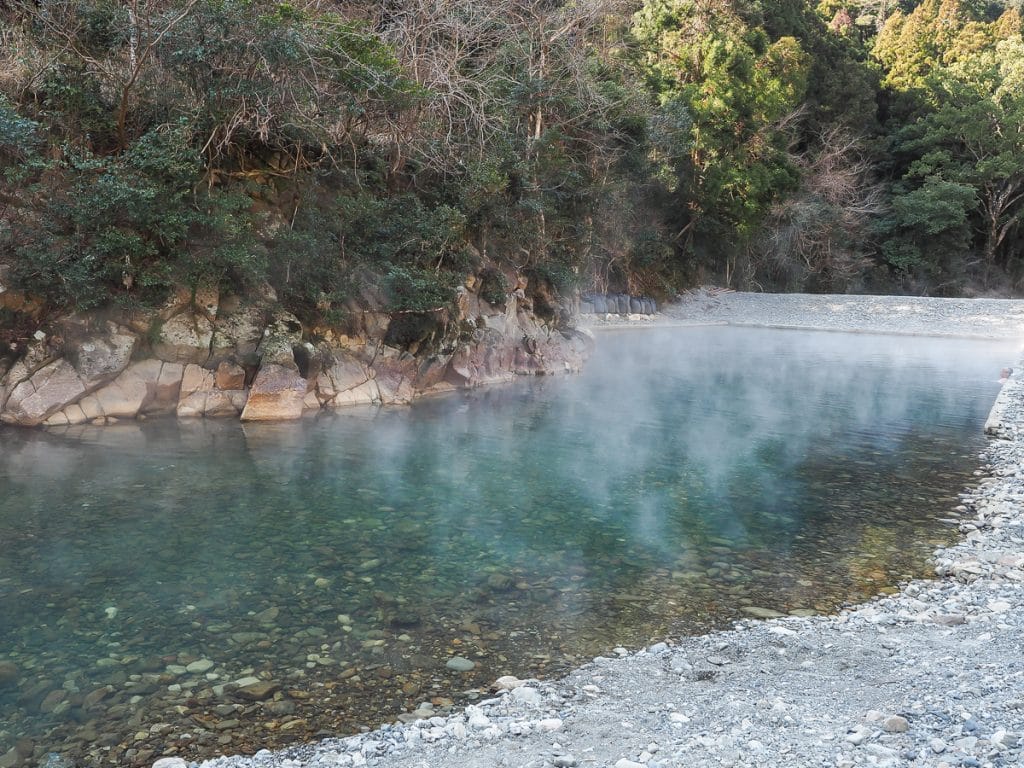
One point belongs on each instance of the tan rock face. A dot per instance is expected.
(277, 394)
(168, 389)
(230, 376)
(237, 334)
(395, 377)
(47, 391)
(101, 357)
(185, 338)
(196, 385)
(279, 341)
(347, 382)
(131, 392)
(221, 404)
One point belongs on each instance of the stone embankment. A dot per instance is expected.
(207, 355)
(931, 676)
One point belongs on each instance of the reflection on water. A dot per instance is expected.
(685, 479)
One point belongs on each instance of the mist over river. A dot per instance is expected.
(208, 587)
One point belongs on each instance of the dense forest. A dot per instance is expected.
(377, 151)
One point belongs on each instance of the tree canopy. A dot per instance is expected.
(376, 148)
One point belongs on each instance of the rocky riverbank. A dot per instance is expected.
(209, 355)
(931, 676)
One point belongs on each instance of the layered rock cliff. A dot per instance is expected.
(208, 355)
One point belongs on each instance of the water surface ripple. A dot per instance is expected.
(687, 478)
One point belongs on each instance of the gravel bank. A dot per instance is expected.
(932, 676)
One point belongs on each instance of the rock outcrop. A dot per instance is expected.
(203, 355)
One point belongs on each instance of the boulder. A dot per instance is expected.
(98, 358)
(127, 395)
(346, 382)
(277, 394)
(47, 391)
(222, 404)
(38, 355)
(185, 338)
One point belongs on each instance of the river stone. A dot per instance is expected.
(277, 394)
(170, 762)
(47, 391)
(8, 674)
(199, 667)
(507, 683)
(51, 700)
(896, 724)
(761, 613)
(260, 691)
(460, 664)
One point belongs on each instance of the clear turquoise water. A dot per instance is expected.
(685, 475)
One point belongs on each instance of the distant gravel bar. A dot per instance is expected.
(916, 315)
(931, 676)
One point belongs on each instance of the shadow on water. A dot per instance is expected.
(687, 478)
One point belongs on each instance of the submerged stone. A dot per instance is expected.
(460, 664)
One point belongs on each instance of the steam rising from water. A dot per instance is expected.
(685, 474)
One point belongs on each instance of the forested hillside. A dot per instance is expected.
(377, 151)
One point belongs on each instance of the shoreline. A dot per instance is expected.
(930, 676)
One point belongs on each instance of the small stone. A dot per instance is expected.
(564, 761)
(549, 724)
(858, 735)
(199, 667)
(938, 746)
(460, 664)
(170, 762)
(624, 763)
(506, 683)
(718, 661)
(896, 724)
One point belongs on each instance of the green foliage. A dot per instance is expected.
(130, 226)
(372, 159)
(737, 85)
(494, 287)
(412, 289)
